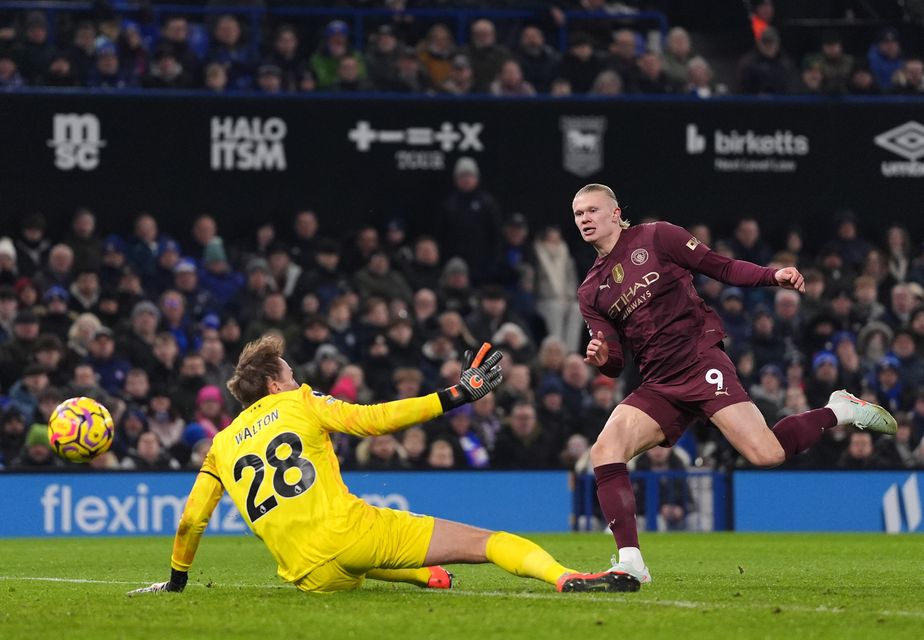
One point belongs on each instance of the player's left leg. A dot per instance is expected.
(425, 577)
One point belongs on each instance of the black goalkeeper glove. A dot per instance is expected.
(481, 374)
(176, 583)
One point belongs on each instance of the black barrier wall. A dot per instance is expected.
(353, 161)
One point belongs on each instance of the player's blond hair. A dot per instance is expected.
(256, 368)
(596, 186)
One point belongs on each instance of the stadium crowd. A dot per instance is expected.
(114, 50)
(152, 328)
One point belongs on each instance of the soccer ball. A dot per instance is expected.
(80, 429)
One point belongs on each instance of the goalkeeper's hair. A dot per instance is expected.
(595, 186)
(257, 366)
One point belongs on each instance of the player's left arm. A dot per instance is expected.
(685, 250)
(202, 500)
(481, 374)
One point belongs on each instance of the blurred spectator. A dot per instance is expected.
(37, 453)
(676, 58)
(575, 375)
(349, 76)
(109, 367)
(911, 366)
(515, 251)
(34, 53)
(538, 61)
(285, 55)
(274, 317)
(436, 52)
(16, 352)
(523, 444)
(269, 79)
(107, 72)
(382, 57)
(228, 48)
(469, 221)
(761, 16)
(49, 353)
(468, 450)
(166, 72)
(556, 280)
(581, 64)
(885, 58)
(510, 82)
(861, 81)
(325, 63)
(440, 455)
(910, 79)
(82, 51)
(824, 379)
(603, 399)
(85, 292)
(32, 247)
(607, 83)
(702, 84)
(414, 443)
(378, 278)
(766, 69)
(216, 77)
(186, 384)
(623, 59)
(734, 318)
(485, 54)
(836, 64)
(148, 455)
(891, 391)
(492, 312)
(674, 498)
(812, 78)
(133, 52)
(552, 414)
(650, 76)
(860, 453)
(210, 409)
(769, 394)
(23, 394)
(12, 434)
(560, 87)
(380, 453)
(8, 268)
(175, 38)
(461, 80)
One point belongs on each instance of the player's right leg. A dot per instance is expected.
(627, 433)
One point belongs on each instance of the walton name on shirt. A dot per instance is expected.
(254, 429)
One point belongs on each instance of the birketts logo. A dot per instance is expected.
(248, 144)
(582, 144)
(76, 141)
(749, 151)
(895, 504)
(907, 141)
(416, 156)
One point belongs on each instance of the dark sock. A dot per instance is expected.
(801, 431)
(617, 501)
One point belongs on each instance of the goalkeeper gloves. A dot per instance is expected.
(481, 374)
(176, 583)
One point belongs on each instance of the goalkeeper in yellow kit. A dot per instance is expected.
(277, 463)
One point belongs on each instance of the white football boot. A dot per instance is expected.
(642, 575)
(850, 409)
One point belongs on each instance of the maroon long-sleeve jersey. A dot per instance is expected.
(641, 294)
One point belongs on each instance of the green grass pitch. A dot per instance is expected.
(706, 586)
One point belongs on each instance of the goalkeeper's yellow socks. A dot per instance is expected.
(419, 577)
(521, 557)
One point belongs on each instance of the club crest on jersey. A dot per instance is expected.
(640, 256)
(618, 274)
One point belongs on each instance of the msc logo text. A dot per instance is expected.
(76, 141)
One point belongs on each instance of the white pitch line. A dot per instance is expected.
(531, 595)
(683, 604)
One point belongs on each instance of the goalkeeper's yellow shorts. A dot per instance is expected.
(396, 540)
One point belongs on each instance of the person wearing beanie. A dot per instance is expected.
(37, 452)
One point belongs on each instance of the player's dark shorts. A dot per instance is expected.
(711, 384)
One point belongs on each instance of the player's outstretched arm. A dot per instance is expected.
(200, 504)
(481, 374)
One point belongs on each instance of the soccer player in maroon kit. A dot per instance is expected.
(639, 292)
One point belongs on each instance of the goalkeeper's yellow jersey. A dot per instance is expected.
(277, 463)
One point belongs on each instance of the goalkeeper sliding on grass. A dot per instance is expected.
(278, 465)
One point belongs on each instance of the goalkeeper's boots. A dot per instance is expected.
(604, 581)
(864, 415)
(439, 578)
